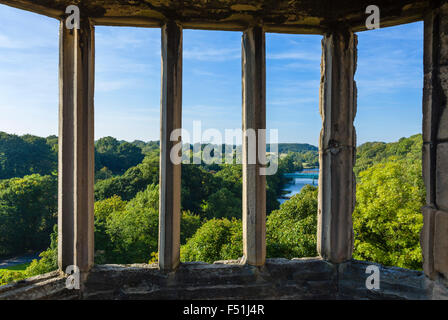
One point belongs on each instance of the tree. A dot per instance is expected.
(134, 180)
(103, 174)
(128, 155)
(103, 210)
(133, 232)
(216, 239)
(128, 232)
(48, 259)
(291, 162)
(387, 219)
(371, 153)
(25, 155)
(189, 224)
(117, 156)
(197, 186)
(107, 145)
(291, 231)
(222, 204)
(28, 212)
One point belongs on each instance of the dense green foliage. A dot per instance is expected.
(205, 193)
(127, 232)
(127, 185)
(387, 218)
(292, 147)
(7, 276)
(147, 147)
(28, 212)
(48, 262)
(216, 239)
(116, 156)
(291, 231)
(25, 155)
(48, 259)
(296, 161)
(28, 154)
(371, 153)
(390, 193)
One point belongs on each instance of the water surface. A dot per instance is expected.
(297, 184)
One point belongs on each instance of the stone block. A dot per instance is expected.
(427, 106)
(442, 176)
(443, 34)
(427, 240)
(336, 204)
(442, 133)
(428, 172)
(441, 243)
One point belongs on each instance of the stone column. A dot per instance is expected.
(254, 119)
(434, 235)
(76, 147)
(170, 173)
(337, 146)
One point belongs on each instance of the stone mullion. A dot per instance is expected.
(337, 146)
(170, 173)
(76, 147)
(434, 235)
(254, 122)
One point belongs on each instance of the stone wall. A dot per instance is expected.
(286, 16)
(434, 235)
(310, 278)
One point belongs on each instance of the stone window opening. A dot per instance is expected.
(337, 140)
(292, 108)
(388, 77)
(127, 115)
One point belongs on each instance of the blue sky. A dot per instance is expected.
(127, 83)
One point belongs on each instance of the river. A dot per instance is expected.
(10, 262)
(297, 184)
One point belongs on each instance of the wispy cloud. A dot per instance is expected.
(294, 55)
(8, 43)
(127, 38)
(293, 102)
(212, 54)
(107, 86)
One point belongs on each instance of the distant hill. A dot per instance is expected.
(371, 153)
(293, 147)
(27, 154)
(146, 147)
(282, 147)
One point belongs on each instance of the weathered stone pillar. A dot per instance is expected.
(434, 235)
(337, 146)
(76, 147)
(254, 119)
(170, 173)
